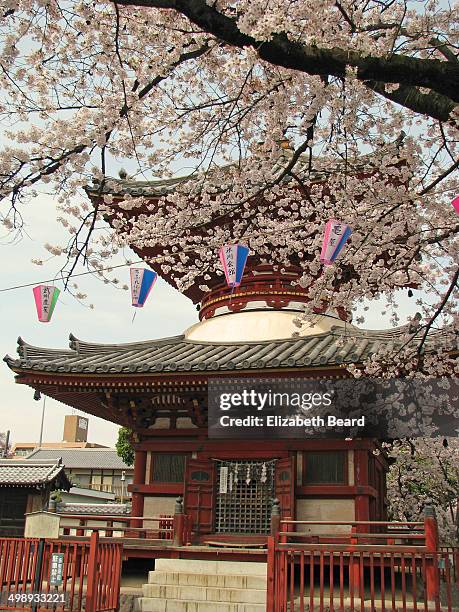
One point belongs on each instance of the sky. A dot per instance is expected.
(166, 313)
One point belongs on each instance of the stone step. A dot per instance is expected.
(209, 580)
(147, 604)
(204, 593)
(195, 566)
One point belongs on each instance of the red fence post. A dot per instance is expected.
(275, 517)
(456, 565)
(354, 566)
(93, 571)
(178, 522)
(431, 539)
(271, 572)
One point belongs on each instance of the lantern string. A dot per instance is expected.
(53, 280)
(133, 316)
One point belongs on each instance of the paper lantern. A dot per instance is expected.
(233, 258)
(336, 234)
(142, 282)
(455, 203)
(45, 301)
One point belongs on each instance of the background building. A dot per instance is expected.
(26, 487)
(97, 469)
(75, 435)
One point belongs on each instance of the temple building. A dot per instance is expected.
(159, 389)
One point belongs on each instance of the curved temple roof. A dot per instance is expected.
(341, 345)
(324, 167)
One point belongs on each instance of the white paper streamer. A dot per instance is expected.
(223, 479)
(264, 473)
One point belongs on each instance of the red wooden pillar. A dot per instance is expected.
(271, 573)
(354, 564)
(140, 464)
(431, 537)
(92, 575)
(275, 518)
(178, 522)
(362, 503)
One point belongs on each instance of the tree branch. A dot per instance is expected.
(432, 104)
(410, 72)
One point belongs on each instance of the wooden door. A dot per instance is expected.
(199, 499)
(13, 506)
(285, 486)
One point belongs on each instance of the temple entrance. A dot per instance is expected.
(245, 490)
(234, 496)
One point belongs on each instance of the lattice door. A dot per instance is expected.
(244, 496)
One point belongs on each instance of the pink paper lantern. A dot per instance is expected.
(45, 301)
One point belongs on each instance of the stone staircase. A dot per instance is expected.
(182, 585)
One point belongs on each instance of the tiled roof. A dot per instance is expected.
(104, 509)
(31, 473)
(122, 187)
(341, 345)
(100, 458)
(83, 492)
(324, 168)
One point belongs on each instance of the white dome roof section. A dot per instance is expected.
(255, 326)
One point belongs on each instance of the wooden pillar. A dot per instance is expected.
(354, 565)
(362, 503)
(92, 575)
(275, 517)
(178, 522)
(271, 574)
(140, 464)
(431, 537)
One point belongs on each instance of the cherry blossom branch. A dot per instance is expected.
(452, 287)
(410, 72)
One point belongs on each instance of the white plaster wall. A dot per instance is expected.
(42, 525)
(350, 463)
(155, 505)
(317, 509)
(148, 468)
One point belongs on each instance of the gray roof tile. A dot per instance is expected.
(96, 509)
(340, 345)
(160, 187)
(27, 473)
(100, 458)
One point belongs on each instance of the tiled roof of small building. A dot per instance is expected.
(31, 473)
(90, 458)
(341, 345)
(96, 509)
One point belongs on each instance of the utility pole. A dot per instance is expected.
(7, 443)
(42, 422)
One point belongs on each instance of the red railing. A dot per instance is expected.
(375, 566)
(453, 554)
(89, 577)
(174, 529)
(117, 526)
(357, 532)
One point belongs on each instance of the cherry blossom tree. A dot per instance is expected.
(283, 114)
(425, 471)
